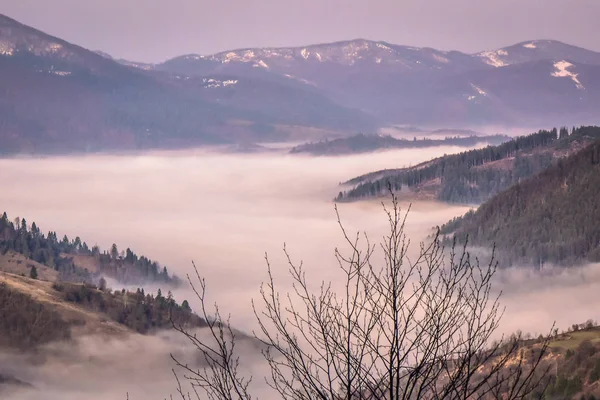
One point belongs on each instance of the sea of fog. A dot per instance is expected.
(224, 212)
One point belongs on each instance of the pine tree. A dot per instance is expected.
(33, 272)
(114, 251)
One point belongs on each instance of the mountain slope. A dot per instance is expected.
(409, 85)
(537, 50)
(36, 312)
(549, 218)
(55, 96)
(474, 176)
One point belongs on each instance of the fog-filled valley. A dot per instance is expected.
(331, 201)
(224, 211)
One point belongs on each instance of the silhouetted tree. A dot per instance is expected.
(410, 328)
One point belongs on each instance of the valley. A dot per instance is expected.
(299, 201)
(235, 232)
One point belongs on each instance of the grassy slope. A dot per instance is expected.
(16, 263)
(81, 320)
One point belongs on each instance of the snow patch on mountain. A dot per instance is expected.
(6, 49)
(441, 59)
(530, 45)
(54, 47)
(262, 64)
(300, 80)
(479, 90)
(493, 58)
(211, 83)
(304, 54)
(562, 71)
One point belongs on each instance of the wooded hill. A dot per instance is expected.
(75, 261)
(552, 217)
(34, 312)
(366, 143)
(572, 362)
(476, 175)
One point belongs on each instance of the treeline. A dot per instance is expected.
(126, 267)
(139, 311)
(364, 143)
(552, 217)
(468, 177)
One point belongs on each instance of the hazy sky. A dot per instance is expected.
(154, 30)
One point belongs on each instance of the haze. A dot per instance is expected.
(225, 211)
(155, 30)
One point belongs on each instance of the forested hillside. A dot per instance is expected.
(475, 176)
(34, 312)
(550, 218)
(365, 143)
(136, 310)
(75, 261)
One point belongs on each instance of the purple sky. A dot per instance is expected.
(155, 30)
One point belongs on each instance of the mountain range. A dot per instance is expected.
(57, 97)
(527, 83)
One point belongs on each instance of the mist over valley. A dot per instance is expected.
(344, 216)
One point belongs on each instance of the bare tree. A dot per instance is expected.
(401, 328)
(219, 378)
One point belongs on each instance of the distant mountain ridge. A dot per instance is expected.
(533, 82)
(59, 97)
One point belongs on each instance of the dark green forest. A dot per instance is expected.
(470, 177)
(553, 217)
(126, 267)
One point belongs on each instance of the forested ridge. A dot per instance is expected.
(75, 261)
(553, 217)
(476, 175)
(365, 143)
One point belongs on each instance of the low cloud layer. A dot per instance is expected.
(224, 212)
